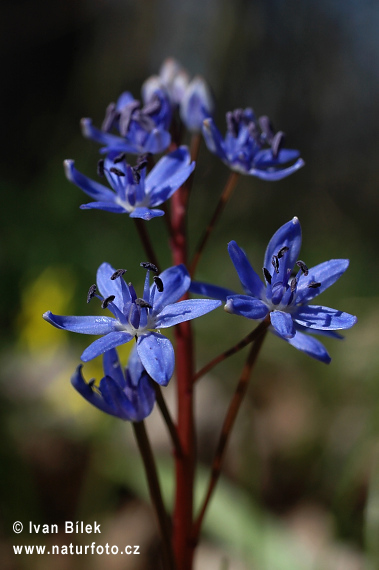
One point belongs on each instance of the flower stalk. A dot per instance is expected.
(229, 420)
(155, 492)
(184, 463)
(223, 200)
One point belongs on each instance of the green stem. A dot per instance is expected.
(229, 420)
(155, 492)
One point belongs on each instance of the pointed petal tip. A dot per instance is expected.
(68, 165)
(85, 126)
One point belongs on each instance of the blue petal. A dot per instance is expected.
(276, 174)
(112, 367)
(246, 306)
(289, 235)
(157, 356)
(212, 291)
(124, 99)
(176, 282)
(145, 398)
(106, 206)
(84, 325)
(167, 167)
(112, 142)
(116, 287)
(323, 318)
(185, 311)
(90, 187)
(264, 158)
(135, 367)
(146, 213)
(213, 139)
(250, 281)
(157, 141)
(283, 324)
(196, 104)
(116, 400)
(101, 345)
(168, 175)
(87, 392)
(325, 273)
(310, 346)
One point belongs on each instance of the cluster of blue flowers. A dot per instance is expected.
(251, 147)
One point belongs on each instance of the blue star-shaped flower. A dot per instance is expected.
(134, 192)
(127, 394)
(141, 128)
(138, 318)
(251, 147)
(285, 297)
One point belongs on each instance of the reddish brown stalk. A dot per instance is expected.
(168, 420)
(155, 493)
(229, 421)
(145, 239)
(227, 192)
(184, 463)
(251, 337)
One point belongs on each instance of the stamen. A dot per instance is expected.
(277, 143)
(282, 251)
(106, 301)
(136, 174)
(231, 123)
(293, 284)
(91, 382)
(275, 263)
(159, 283)
(302, 266)
(110, 115)
(126, 116)
(91, 293)
(149, 265)
(143, 159)
(266, 128)
(100, 167)
(314, 285)
(116, 171)
(267, 275)
(143, 303)
(118, 273)
(152, 106)
(119, 158)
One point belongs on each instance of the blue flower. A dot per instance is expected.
(141, 128)
(193, 97)
(284, 296)
(138, 318)
(127, 394)
(251, 146)
(134, 192)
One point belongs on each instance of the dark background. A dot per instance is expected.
(305, 445)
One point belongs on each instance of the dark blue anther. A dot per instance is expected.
(106, 301)
(91, 293)
(118, 273)
(159, 283)
(149, 265)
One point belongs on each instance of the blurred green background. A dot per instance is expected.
(301, 483)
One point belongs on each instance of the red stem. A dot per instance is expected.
(185, 462)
